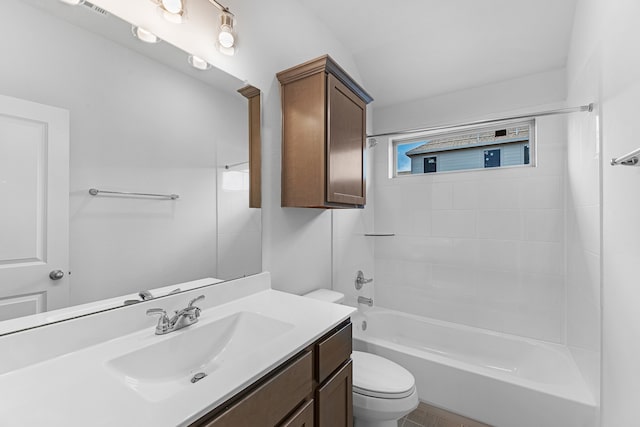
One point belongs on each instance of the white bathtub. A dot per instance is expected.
(499, 379)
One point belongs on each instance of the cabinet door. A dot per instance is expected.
(302, 418)
(335, 400)
(346, 129)
(303, 143)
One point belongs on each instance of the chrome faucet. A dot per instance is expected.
(182, 318)
(360, 280)
(364, 300)
(147, 296)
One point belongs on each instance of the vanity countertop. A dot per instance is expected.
(82, 387)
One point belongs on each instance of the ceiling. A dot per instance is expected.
(412, 49)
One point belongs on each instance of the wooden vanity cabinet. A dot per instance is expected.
(323, 136)
(313, 388)
(334, 376)
(334, 399)
(304, 417)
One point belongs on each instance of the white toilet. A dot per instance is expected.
(383, 391)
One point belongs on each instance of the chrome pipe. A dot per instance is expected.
(235, 164)
(629, 159)
(95, 192)
(582, 108)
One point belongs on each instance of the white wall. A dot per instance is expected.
(483, 248)
(297, 244)
(603, 62)
(135, 126)
(352, 250)
(584, 210)
(273, 36)
(239, 227)
(474, 103)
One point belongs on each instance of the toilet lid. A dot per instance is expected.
(376, 376)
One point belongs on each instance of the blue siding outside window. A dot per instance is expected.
(512, 155)
(469, 149)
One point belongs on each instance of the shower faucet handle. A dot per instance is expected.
(360, 280)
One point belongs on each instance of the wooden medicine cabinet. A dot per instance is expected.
(323, 136)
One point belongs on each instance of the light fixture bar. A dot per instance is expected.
(221, 7)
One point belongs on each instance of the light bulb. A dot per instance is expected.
(173, 6)
(144, 35)
(172, 10)
(226, 37)
(198, 63)
(73, 2)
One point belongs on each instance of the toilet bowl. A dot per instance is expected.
(383, 391)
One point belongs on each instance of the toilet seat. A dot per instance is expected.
(375, 376)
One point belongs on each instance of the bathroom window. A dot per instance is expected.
(487, 147)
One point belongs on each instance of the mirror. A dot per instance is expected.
(140, 119)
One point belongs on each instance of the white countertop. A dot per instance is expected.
(79, 389)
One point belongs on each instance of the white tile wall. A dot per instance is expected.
(352, 250)
(500, 224)
(484, 248)
(583, 218)
(451, 223)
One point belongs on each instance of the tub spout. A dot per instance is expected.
(367, 301)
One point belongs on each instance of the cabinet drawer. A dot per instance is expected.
(302, 418)
(267, 405)
(332, 352)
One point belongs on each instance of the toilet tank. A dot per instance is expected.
(326, 295)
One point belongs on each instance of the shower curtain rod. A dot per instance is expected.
(581, 108)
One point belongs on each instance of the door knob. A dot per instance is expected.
(56, 275)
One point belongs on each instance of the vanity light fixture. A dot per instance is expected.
(172, 10)
(175, 11)
(227, 38)
(144, 35)
(198, 63)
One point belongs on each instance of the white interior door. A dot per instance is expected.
(34, 207)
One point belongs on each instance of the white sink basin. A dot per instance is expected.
(162, 369)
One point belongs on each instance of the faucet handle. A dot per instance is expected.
(145, 295)
(193, 301)
(153, 311)
(360, 280)
(163, 321)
